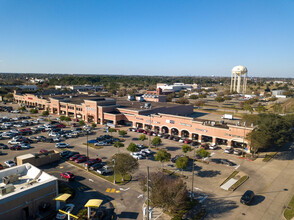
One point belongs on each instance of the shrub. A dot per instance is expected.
(202, 153)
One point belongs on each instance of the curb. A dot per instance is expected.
(245, 159)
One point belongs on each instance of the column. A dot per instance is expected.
(199, 138)
(214, 140)
(229, 143)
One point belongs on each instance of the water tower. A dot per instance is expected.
(237, 73)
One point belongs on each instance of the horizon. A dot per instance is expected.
(166, 38)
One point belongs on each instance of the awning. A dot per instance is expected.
(62, 197)
(94, 203)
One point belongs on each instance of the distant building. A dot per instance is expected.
(176, 87)
(81, 88)
(21, 87)
(36, 80)
(278, 93)
(23, 189)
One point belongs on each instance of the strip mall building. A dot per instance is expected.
(175, 119)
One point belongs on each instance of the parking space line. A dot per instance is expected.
(112, 191)
(108, 190)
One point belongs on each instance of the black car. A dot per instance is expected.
(247, 197)
(227, 162)
(64, 153)
(174, 159)
(3, 146)
(176, 138)
(70, 154)
(97, 166)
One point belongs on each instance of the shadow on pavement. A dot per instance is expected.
(257, 199)
(172, 148)
(128, 215)
(208, 173)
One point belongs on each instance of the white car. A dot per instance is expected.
(100, 143)
(61, 145)
(137, 156)
(229, 150)
(105, 170)
(147, 151)
(9, 163)
(140, 146)
(181, 140)
(13, 142)
(25, 146)
(67, 208)
(15, 111)
(213, 147)
(53, 134)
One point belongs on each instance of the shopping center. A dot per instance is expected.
(175, 119)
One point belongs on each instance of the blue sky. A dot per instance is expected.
(150, 37)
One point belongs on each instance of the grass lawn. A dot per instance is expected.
(238, 183)
(289, 211)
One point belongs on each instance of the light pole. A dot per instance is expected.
(192, 194)
(87, 151)
(114, 180)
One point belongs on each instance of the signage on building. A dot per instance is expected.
(156, 122)
(30, 98)
(197, 129)
(90, 109)
(170, 121)
(186, 124)
(231, 135)
(149, 121)
(139, 118)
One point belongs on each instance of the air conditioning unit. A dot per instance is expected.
(10, 179)
(6, 189)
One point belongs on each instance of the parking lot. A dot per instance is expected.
(207, 179)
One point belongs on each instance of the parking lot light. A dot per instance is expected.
(114, 181)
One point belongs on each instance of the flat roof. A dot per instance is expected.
(79, 99)
(28, 177)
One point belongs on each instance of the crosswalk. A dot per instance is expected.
(112, 190)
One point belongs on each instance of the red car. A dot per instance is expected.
(90, 162)
(1, 167)
(67, 175)
(15, 147)
(76, 120)
(81, 159)
(76, 156)
(187, 141)
(60, 126)
(43, 151)
(150, 133)
(140, 130)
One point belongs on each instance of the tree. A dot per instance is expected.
(167, 192)
(162, 156)
(156, 141)
(122, 132)
(182, 100)
(219, 99)
(45, 113)
(8, 96)
(62, 118)
(202, 153)
(94, 125)
(124, 164)
(193, 97)
(186, 148)
(142, 137)
(34, 111)
(111, 130)
(118, 145)
(22, 108)
(81, 123)
(170, 97)
(260, 108)
(182, 163)
(199, 103)
(277, 108)
(132, 147)
(67, 119)
(248, 107)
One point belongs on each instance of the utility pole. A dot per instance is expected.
(192, 192)
(147, 193)
(87, 149)
(114, 180)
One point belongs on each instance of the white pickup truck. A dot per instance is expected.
(228, 116)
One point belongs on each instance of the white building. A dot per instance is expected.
(80, 87)
(176, 87)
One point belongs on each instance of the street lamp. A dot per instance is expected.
(114, 180)
(87, 150)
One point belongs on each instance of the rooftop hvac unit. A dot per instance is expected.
(10, 179)
(6, 189)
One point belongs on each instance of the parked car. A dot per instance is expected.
(176, 138)
(43, 151)
(1, 167)
(3, 146)
(237, 152)
(70, 154)
(61, 145)
(75, 156)
(13, 142)
(136, 155)
(187, 141)
(96, 166)
(25, 146)
(100, 143)
(15, 147)
(81, 159)
(9, 163)
(229, 150)
(247, 197)
(90, 162)
(205, 146)
(64, 153)
(67, 208)
(105, 170)
(67, 175)
(213, 147)
(174, 159)
(181, 140)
